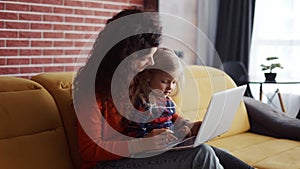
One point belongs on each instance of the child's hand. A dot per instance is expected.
(182, 132)
(195, 128)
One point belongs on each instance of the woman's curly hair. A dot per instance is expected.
(120, 50)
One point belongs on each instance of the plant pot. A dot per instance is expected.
(270, 77)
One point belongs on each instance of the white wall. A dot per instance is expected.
(194, 24)
(180, 23)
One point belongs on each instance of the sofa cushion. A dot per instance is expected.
(267, 120)
(59, 85)
(261, 151)
(11, 84)
(31, 130)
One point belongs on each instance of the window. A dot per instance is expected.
(276, 32)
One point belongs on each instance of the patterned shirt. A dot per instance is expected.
(162, 114)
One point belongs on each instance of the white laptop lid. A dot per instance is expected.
(220, 114)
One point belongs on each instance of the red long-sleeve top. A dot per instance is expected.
(96, 138)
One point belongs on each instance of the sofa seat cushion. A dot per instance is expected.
(286, 160)
(261, 151)
(44, 150)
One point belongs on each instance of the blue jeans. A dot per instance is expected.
(201, 157)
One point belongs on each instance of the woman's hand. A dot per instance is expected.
(160, 138)
(155, 140)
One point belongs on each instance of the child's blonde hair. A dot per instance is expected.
(165, 60)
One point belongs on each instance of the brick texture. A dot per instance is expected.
(51, 36)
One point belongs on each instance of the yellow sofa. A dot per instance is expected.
(37, 123)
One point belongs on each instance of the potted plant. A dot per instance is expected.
(270, 77)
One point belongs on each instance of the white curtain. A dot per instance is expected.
(276, 32)
(207, 15)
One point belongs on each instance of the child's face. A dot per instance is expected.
(163, 82)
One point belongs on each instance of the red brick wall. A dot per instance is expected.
(50, 35)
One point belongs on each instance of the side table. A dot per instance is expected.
(276, 92)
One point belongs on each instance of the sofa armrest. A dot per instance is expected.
(266, 120)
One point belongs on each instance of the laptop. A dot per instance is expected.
(217, 120)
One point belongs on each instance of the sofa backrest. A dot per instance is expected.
(59, 85)
(199, 85)
(31, 130)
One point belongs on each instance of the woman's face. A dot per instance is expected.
(142, 62)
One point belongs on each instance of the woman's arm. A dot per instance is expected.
(97, 149)
(97, 140)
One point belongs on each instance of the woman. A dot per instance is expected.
(101, 94)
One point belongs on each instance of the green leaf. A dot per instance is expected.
(271, 58)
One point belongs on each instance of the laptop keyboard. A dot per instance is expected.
(187, 142)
